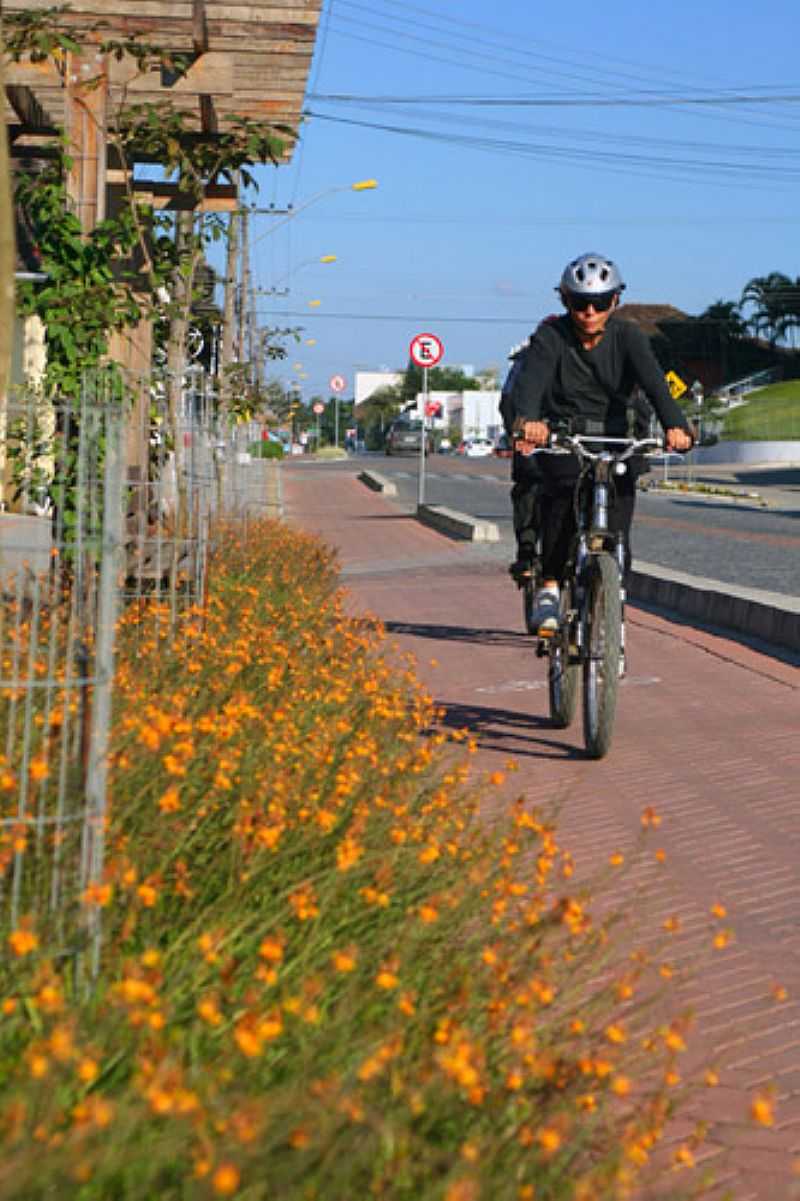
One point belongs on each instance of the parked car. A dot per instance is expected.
(478, 448)
(405, 437)
(503, 448)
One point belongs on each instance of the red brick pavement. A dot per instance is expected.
(706, 733)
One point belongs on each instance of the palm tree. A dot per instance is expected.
(727, 315)
(775, 300)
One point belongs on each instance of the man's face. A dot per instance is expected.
(590, 321)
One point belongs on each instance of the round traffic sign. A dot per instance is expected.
(318, 407)
(426, 350)
(337, 383)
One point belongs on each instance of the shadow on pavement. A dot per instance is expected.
(507, 731)
(485, 636)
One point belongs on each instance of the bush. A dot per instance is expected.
(266, 449)
(323, 976)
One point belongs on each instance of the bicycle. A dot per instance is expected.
(590, 636)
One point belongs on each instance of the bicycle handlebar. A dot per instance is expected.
(567, 444)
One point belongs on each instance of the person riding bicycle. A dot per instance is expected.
(579, 372)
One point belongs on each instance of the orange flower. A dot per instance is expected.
(38, 770)
(761, 1110)
(225, 1180)
(386, 979)
(343, 961)
(170, 802)
(147, 895)
(22, 942)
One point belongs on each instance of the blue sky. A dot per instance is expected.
(531, 133)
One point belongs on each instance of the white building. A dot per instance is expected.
(367, 382)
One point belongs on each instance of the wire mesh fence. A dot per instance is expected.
(82, 538)
(63, 480)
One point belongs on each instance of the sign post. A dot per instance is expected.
(426, 350)
(337, 384)
(318, 408)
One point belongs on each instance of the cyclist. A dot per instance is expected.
(580, 371)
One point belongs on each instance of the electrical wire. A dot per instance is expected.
(616, 161)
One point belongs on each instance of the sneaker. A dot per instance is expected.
(521, 570)
(546, 608)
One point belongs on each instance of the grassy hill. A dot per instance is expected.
(771, 414)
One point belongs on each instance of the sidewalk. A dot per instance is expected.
(706, 733)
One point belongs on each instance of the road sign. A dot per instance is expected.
(318, 407)
(426, 350)
(676, 385)
(337, 383)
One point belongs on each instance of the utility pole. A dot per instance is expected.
(229, 303)
(245, 316)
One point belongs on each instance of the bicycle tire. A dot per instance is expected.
(562, 676)
(602, 648)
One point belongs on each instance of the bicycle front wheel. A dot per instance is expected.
(602, 644)
(562, 675)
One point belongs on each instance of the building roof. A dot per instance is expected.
(649, 316)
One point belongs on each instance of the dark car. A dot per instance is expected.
(405, 437)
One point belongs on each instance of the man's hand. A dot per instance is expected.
(678, 439)
(536, 433)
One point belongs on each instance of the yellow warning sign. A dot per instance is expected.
(676, 385)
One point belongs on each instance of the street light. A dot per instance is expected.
(361, 185)
(272, 291)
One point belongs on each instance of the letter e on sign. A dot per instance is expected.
(426, 350)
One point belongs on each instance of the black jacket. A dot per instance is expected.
(557, 381)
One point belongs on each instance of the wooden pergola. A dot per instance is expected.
(246, 59)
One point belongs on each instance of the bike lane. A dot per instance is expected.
(706, 737)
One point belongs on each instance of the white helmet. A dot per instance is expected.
(591, 275)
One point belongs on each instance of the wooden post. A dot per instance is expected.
(85, 115)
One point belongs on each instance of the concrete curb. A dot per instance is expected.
(770, 616)
(378, 483)
(457, 525)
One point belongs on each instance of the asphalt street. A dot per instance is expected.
(745, 542)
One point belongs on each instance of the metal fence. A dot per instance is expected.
(59, 556)
(79, 541)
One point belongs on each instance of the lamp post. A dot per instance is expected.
(361, 185)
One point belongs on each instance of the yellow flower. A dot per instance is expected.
(386, 979)
(428, 914)
(711, 1078)
(615, 1034)
(617, 859)
(719, 911)
(621, 1085)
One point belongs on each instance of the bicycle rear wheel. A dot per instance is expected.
(528, 598)
(602, 648)
(562, 676)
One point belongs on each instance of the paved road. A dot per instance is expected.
(706, 733)
(739, 544)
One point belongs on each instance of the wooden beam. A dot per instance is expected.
(217, 197)
(199, 27)
(28, 108)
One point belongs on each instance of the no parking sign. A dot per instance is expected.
(426, 350)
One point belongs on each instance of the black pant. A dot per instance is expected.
(525, 504)
(557, 515)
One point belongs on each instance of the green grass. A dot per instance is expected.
(771, 414)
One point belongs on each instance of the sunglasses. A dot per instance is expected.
(601, 302)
